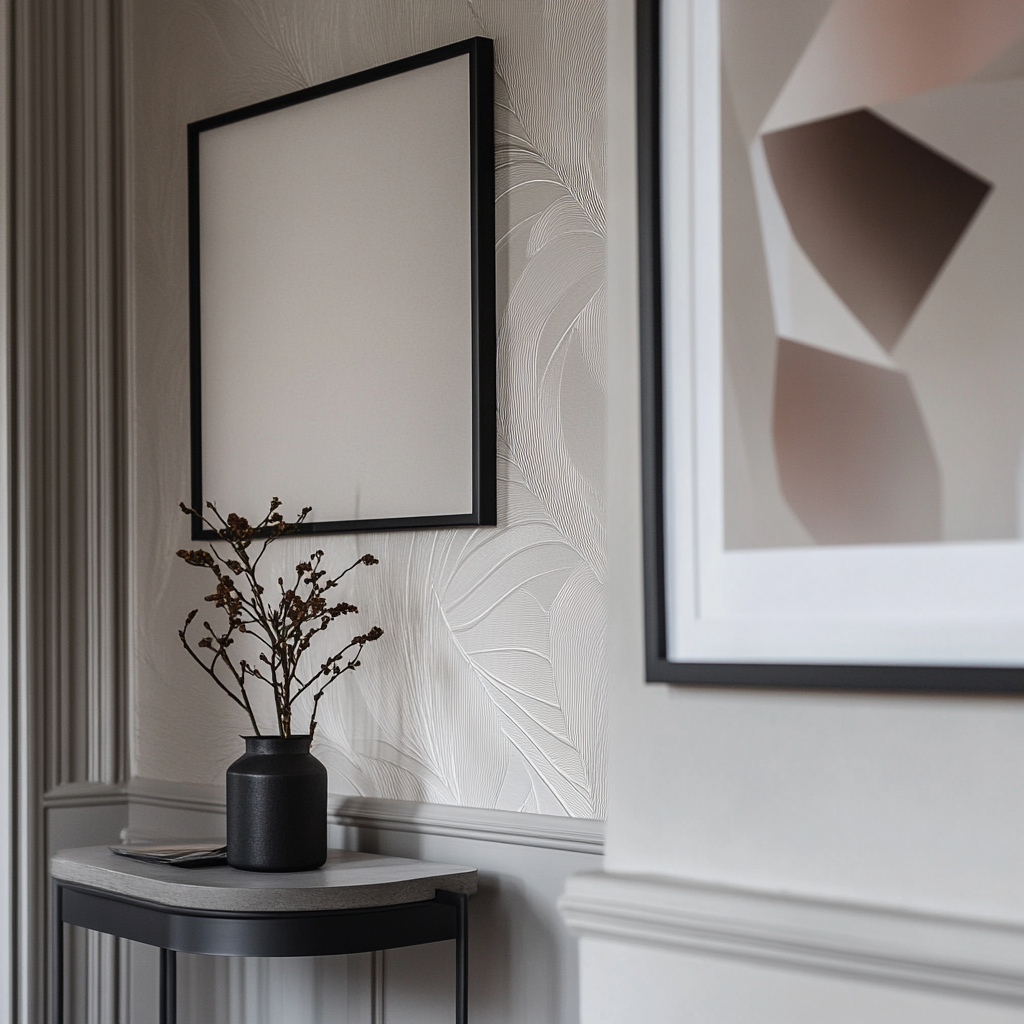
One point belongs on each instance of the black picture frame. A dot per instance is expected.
(923, 679)
(479, 51)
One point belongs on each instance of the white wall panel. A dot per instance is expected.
(631, 983)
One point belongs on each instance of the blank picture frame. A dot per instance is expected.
(342, 320)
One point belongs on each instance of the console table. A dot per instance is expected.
(355, 903)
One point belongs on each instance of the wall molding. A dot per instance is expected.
(545, 831)
(974, 958)
(67, 458)
(85, 794)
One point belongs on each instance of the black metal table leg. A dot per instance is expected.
(460, 901)
(168, 986)
(462, 961)
(57, 954)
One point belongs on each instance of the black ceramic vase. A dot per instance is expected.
(277, 806)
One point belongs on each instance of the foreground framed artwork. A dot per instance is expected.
(831, 246)
(341, 247)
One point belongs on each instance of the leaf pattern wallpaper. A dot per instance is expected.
(488, 689)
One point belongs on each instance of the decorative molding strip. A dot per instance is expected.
(66, 421)
(967, 957)
(546, 831)
(578, 835)
(85, 794)
(179, 796)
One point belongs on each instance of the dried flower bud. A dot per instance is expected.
(200, 558)
(239, 530)
(375, 634)
(369, 560)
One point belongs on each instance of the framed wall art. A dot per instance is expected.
(342, 298)
(832, 323)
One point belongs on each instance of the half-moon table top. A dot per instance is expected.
(348, 880)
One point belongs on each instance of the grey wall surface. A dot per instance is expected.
(488, 688)
(910, 807)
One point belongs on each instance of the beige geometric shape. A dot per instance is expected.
(963, 350)
(867, 52)
(877, 212)
(854, 459)
(756, 514)
(761, 43)
(804, 306)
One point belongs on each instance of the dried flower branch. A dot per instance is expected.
(284, 629)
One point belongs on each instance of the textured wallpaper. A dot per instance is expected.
(488, 689)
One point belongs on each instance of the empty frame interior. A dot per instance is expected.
(334, 343)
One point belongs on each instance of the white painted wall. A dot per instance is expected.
(488, 687)
(911, 803)
(488, 690)
(666, 987)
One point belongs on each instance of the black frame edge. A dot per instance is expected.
(195, 375)
(965, 680)
(648, 75)
(485, 328)
(480, 51)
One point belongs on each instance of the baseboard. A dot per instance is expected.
(953, 955)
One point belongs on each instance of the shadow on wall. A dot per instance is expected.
(419, 980)
(517, 966)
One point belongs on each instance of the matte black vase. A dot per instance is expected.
(277, 806)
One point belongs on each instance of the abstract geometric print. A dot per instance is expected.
(877, 212)
(874, 324)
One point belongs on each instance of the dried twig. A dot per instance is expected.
(285, 629)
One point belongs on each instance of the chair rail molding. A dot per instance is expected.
(67, 423)
(967, 957)
(544, 831)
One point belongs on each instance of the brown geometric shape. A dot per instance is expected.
(876, 211)
(854, 458)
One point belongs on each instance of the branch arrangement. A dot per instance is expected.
(282, 627)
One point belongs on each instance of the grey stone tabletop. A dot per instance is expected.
(348, 880)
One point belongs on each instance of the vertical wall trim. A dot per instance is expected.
(67, 424)
(27, 753)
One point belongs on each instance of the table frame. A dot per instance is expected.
(246, 933)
